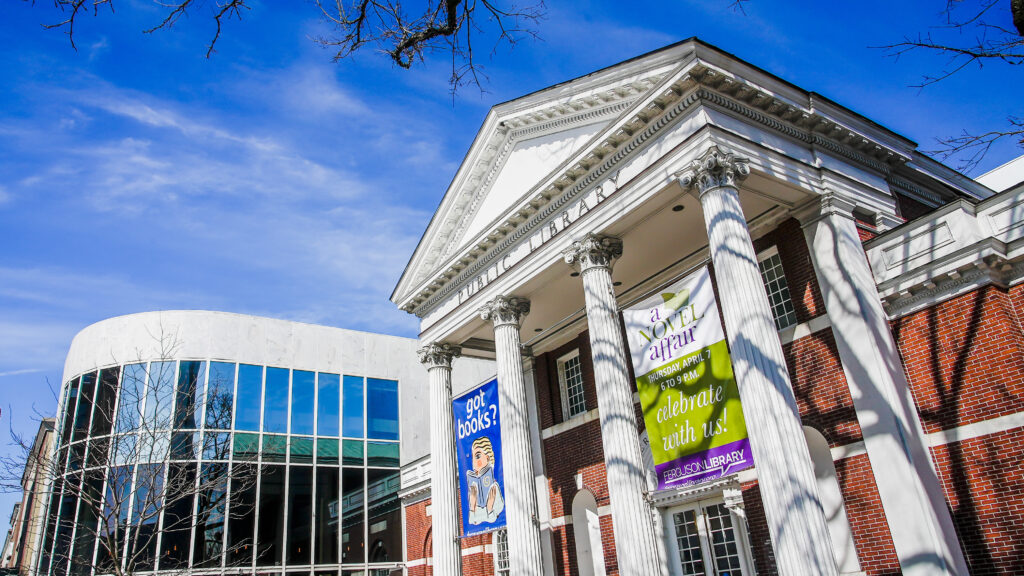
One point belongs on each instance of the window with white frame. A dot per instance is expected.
(501, 565)
(570, 380)
(777, 288)
(708, 539)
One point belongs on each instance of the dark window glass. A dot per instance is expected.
(270, 536)
(191, 375)
(327, 451)
(98, 450)
(352, 407)
(326, 515)
(250, 384)
(353, 517)
(247, 446)
(303, 391)
(84, 410)
(381, 409)
(103, 414)
(65, 526)
(300, 514)
(51, 526)
(115, 516)
(77, 457)
(242, 522)
(385, 454)
(160, 395)
(302, 450)
(352, 452)
(220, 394)
(275, 401)
(216, 445)
(148, 494)
(185, 445)
(177, 526)
(129, 402)
(328, 401)
(85, 536)
(70, 404)
(275, 448)
(385, 524)
(211, 512)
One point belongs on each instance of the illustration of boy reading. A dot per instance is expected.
(485, 501)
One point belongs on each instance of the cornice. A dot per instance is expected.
(994, 269)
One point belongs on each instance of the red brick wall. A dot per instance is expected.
(867, 518)
(819, 384)
(789, 239)
(964, 358)
(757, 530)
(984, 482)
(417, 536)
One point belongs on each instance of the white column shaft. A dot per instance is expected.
(915, 507)
(788, 490)
(444, 476)
(636, 542)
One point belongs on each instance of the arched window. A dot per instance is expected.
(832, 502)
(586, 527)
(500, 543)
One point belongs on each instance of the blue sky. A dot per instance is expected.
(137, 175)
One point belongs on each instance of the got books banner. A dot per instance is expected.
(478, 449)
(687, 390)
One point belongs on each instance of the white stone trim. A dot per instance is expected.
(588, 416)
(482, 549)
(848, 450)
(415, 563)
(976, 430)
(798, 331)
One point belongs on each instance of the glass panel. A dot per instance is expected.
(124, 449)
(84, 409)
(65, 524)
(98, 451)
(129, 403)
(352, 452)
(778, 291)
(115, 516)
(85, 536)
(303, 390)
(275, 448)
(220, 393)
(300, 514)
(191, 375)
(327, 451)
(382, 409)
(148, 500)
(103, 414)
(160, 395)
(242, 521)
(501, 552)
(247, 446)
(328, 389)
(216, 445)
(326, 515)
(185, 446)
(275, 402)
(572, 376)
(177, 524)
(51, 526)
(385, 523)
(77, 456)
(270, 537)
(691, 560)
(352, 404)
(723, 540)
(70, 404)
(352, 516)
(382, 454)
(250, 390)
(302, 450)
(210, 515)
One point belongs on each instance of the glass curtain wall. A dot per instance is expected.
(211, 465)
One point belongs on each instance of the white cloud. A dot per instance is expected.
(5, 196)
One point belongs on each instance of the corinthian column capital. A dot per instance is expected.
(505, 310)
(592, 251)
(714, 169)
(438, 355)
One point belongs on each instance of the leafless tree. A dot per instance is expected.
(124, 478)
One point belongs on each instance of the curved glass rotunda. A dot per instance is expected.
(228, 444)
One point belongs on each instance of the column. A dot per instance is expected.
(437, 357)
(788, 490)
(540, 479)
(524, 548)
(912, 497)
(636, 541)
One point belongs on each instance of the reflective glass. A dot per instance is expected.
(328, 401)
(191, 375)
(352, 407)
(115, 513)
(381, 409)
(327, 451)
(275, 448)
(129, 401)
(242, 521)
(103, 413)
(84, 409)
(65, 526)
(302, 450)
(216, 445)
(211, 511)
(385, 523)
(250, 390)
(85, 535)
(160, 395)
(247, 446)
(326, 515)
(275, 401)
(185, 446)
(303, 391)
(177, 521)
(353, 516)
(148, 501)
(270, 535)
(352, 452)
(220, 393)
(51, 526)
(70, 405)
(300, 514)
(98, 451)
(385, 454)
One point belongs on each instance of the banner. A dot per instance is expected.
(689, 397)
(478, 449)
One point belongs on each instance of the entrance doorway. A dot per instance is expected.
(708, 540)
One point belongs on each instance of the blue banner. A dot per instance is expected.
(478, 449)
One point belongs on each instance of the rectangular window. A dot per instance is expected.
(84, 410)
(270, 534)
(250, 390)
(160, 395)
(327, 403)
(300, 514)
(220, 394)
(570, 380)
(353, 516)
(352, 404)
(382, 409)
(275, 401)
(778, 290)
(191, 376)
(303, 389)
(385, 515)
(327, 514)
(103, 414)
(211, 512)
(129, 402)
(501, 563)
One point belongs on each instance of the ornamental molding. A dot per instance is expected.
(941, 286)
(505, 310)
(676, 496)
(593, 251)
(715, 169)
(438, 355)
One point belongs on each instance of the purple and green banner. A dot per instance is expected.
(688, 393)
(478, 449)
